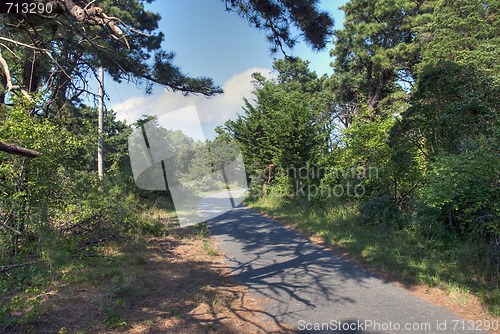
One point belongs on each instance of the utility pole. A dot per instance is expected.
(100, 165)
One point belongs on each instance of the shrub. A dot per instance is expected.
(465, 187)
(381, 211)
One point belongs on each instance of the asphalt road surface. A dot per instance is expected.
(312, 289)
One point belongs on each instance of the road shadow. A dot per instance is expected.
(296, 276)
(157, 285)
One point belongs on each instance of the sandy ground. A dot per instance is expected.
(179, 288)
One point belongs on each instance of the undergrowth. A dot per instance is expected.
(90, 241)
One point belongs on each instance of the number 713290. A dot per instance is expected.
(29, 8)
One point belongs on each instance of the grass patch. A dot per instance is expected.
(212, 297)
(202, 230)
(209, 248)
(99, 254)
(458, 266)
(114, 319)
(171, 309)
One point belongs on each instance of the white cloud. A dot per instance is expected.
(215, 110)
(127, 110)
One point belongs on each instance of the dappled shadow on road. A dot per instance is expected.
(289, 270)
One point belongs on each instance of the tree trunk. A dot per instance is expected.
(375, 93)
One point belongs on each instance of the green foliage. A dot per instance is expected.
(33, 182)
(382, 212)
(410, 115)
(209, 248)
(56, 208)
(464, 32)
(448, 108)
(453, 121)
(114, 318)
(409, 252)
(454, 125)
(293, 104)
(276, 18)
(375, 48)
(82, 121)
(369, 159)
(465, 185)
(22, 309)
(202, 230)
(366, 142)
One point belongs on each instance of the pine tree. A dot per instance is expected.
(60, 50)
(375, 49)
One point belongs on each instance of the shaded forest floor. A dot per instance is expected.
(176, 284)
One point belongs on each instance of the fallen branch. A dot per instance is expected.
(6, 268)
(9, 228)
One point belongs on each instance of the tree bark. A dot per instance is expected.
(13, 149)
(375, 93)
(92, 15)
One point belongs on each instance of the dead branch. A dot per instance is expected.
(6, 268)
(6, 71)
(8, 78)
(47, 52)
(91, 15)
(12, 52)
(2, 224)
(13, 149)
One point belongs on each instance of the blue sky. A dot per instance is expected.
(208, 41)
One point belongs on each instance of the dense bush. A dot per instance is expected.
(465, 187)
(381, 211)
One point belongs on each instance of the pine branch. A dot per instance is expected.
(14, 149)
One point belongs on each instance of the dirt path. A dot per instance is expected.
(172, 284)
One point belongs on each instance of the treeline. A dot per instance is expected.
(406, 130)
(55, 203)
(56, 191)
(54, 210)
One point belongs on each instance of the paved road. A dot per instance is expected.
(307, 286)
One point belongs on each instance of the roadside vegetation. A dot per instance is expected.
(414, 253)
(164, 279)
(81, 253)
(395, 157)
